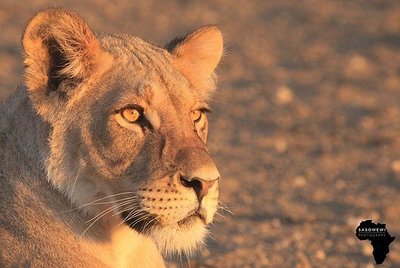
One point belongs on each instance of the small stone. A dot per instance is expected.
(392, 83)
(303, 262)
(367, 122)
(340, 184)
(321, 195)
(353, 221)
(320, 255)
(357, 66)
(394, 255)
(205, 252)
(351, 241)
(299, 181)
(328, 243)
(298, 236)
(284, 95)
(366, 249)
(280, 145)
(395, 166)
(276, 222)
(374, 215)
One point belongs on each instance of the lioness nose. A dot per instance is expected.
(198, 170)
(200, 186)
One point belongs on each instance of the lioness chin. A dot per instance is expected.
(103, 157)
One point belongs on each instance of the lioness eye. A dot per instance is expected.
(130, 114)
(196, 115)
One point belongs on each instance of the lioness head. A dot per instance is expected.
(128, 124)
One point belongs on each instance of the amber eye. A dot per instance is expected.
(196, 115)
(131, 115)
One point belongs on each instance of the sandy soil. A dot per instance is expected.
(306, 122)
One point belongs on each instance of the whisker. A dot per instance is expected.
(112, 201)
(138, 220)
(96, 218)
(129, 215)
(187, 259)
(215, 220)
(212, 237)
(112, 195)
(148, 223)
(135, 213)
(92, 224)
(220, 215)
(91, 202)
(124, 210)
(76, 178)
(110, 209)
(224, 207)
(141, 217)
(218, 101)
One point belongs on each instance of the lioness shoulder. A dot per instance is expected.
(103, 156)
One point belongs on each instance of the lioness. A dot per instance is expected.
(103, 157)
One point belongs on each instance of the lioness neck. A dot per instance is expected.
(23, 136)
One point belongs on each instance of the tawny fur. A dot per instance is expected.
(70, 165)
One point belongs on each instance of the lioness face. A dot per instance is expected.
(128, 125)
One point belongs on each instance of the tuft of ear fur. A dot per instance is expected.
(58, 45)
(197, 55)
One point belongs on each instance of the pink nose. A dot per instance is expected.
(200, 186)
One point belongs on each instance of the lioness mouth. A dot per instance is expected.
(190, 219)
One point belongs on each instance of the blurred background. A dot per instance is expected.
(305, 124)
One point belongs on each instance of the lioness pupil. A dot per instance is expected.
(131, 115)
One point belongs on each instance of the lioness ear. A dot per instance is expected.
(197, 55)
(58, 47)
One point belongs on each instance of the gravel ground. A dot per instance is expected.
(305, 126)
